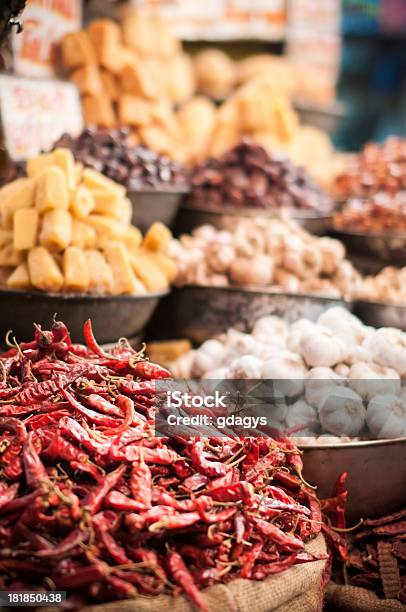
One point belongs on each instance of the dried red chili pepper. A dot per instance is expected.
(183, 577)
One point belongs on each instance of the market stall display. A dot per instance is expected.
(381, 213)
(130, 75)
(263, 112)
(269, 254)
(247, 180)
(376, 168)
(93, 503)
(376, 557)
(155, 184)
(66, 228)
(374, 227)
(343, 378)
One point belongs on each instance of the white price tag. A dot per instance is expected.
(35, 113)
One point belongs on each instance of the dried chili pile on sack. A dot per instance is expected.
(93, 503)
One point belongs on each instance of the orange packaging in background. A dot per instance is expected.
(45, 24)
(222, 19)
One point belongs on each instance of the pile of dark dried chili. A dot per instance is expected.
(376, 558)
(93, 503)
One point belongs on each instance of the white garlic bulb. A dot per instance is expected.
(321, 348)
(369, 379)
(386, 416)
(318, 382)
(342, 412)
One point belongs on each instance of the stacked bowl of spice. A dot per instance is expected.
(155, 184)
(246, 181)
(371, 191)
(67, 245)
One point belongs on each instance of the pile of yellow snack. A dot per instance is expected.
(66, 228)
(135, 74)
(130, 75)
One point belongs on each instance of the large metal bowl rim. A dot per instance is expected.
(356, 444)
(244, 211)
(82, 297)
(383, 235)
(176, 189)
(261, 291)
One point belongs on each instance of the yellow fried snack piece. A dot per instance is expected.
(100, 274)
(44, 271)
(56, 232)
(66, 162)
(20, 278)
(104, 199)
(95, 180)
(6, 236)
(106, 227)
(165, 264)
(82, 202)
(10, 188)
(78, 172)
(20, 196)
(125, 280)
(157, 237)
(52, 190)
(75, 270)
(108, 203)
(25, 228)
(9, 257)
(37, 164)
(83, 235)
(132, 238)
(148, 272)
(77, 50)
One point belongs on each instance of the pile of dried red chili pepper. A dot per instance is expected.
(91, 502)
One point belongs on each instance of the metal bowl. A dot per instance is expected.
(190, 217)
(112, 316)
(199, 312)
(376, 474)
(380, 314)
(389, 248)
(151, 205)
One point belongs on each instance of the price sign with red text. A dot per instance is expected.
(35, 113)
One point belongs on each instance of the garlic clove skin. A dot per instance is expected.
(182, 367)
(210, 355)
(287, 372)
(321, 348)
(342, 370)
(217, 374)
(319, 381)
(297, 331)
(301, 413)
(368, 379)
(386, 417)
(342, 412)
(339, 320)
(272, 328)
(238, 343)
(387, 347)
(245, 367)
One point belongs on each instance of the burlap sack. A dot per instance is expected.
(295, 590)
(355, 599)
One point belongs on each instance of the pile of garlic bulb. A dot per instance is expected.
(341, 380)
(275, 253)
